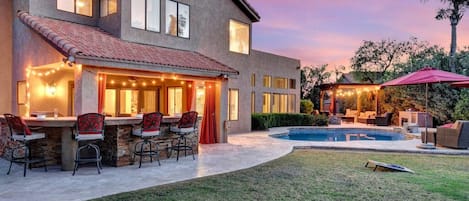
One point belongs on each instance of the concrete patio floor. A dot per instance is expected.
(243, 151)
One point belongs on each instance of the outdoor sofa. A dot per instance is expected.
(349, 116)
(367, 117)
(456, 136)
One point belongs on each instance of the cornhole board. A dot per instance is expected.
(388, 166)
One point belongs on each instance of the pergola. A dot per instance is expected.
(346, 89)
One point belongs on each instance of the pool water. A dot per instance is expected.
(339, 134)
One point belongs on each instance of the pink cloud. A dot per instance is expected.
(324, 31)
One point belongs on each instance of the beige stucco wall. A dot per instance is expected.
(209, 35)
(6, 56)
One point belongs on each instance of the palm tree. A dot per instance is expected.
(454, 13)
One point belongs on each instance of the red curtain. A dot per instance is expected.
(101, 92)
(190, 95)
(332, 106)
(208, 130)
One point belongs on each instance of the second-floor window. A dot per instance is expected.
(82, 7)
(145, 14)
(108, 7)
(239, 37)
(177, 19)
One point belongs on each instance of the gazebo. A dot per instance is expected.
(335, 90)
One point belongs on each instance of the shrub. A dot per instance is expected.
(306, 106)
(460, 110)
(260, 121)
(264, 121)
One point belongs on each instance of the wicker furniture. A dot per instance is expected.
(367, 117)
(384, 120)
(455, 137)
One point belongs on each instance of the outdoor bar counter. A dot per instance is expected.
(117, 146)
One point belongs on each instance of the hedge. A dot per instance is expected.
(263, 121)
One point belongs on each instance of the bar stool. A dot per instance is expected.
(147, 129)
(89, 128)
(186, 125)
(20, 132)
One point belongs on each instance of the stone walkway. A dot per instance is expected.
(242, 151)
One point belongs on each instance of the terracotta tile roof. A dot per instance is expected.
(91, 42)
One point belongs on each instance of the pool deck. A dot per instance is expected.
(243, 151)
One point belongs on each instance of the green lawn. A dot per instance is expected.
(325, 175)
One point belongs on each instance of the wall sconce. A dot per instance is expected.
(51, 89)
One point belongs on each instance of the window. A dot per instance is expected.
(253, 80)
(292, 84)
(82, 7)
(279, 103)
(174, 100)
(253, 102)
(266, 103)
(128, 102)
(200, 100)
(292, 103)
(233, 104)
(267, 81)
(239, 37)
(145, 14)
(280, 83)
(110, 102)
(177, 19)
(108, 7)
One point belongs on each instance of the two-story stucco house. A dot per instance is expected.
(123, 57)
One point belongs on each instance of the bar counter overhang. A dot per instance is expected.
(116, 148)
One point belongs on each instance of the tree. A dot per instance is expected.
(454, 13)
(443, 98)
(311, 78)
(374, 59)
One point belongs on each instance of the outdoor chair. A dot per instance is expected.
(23, 134)
(147, 129)
(89, 128)
(456, 136)
(186, 125)
(367, 117)
(384, 120)
(349, 116)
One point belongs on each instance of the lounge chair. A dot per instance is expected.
(384, 120)
(456, 136)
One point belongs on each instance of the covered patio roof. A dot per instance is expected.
(91, 45)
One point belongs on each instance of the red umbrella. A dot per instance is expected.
(425, 76)
(461, 84)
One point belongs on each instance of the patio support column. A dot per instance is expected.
(377, 102)
(359, 105)
(222, 108)
(321, 100)
(86, 90)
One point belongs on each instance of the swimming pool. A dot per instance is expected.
(339, 134)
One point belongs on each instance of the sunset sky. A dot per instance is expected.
(330, 31)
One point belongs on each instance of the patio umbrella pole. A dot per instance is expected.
(426, 145)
